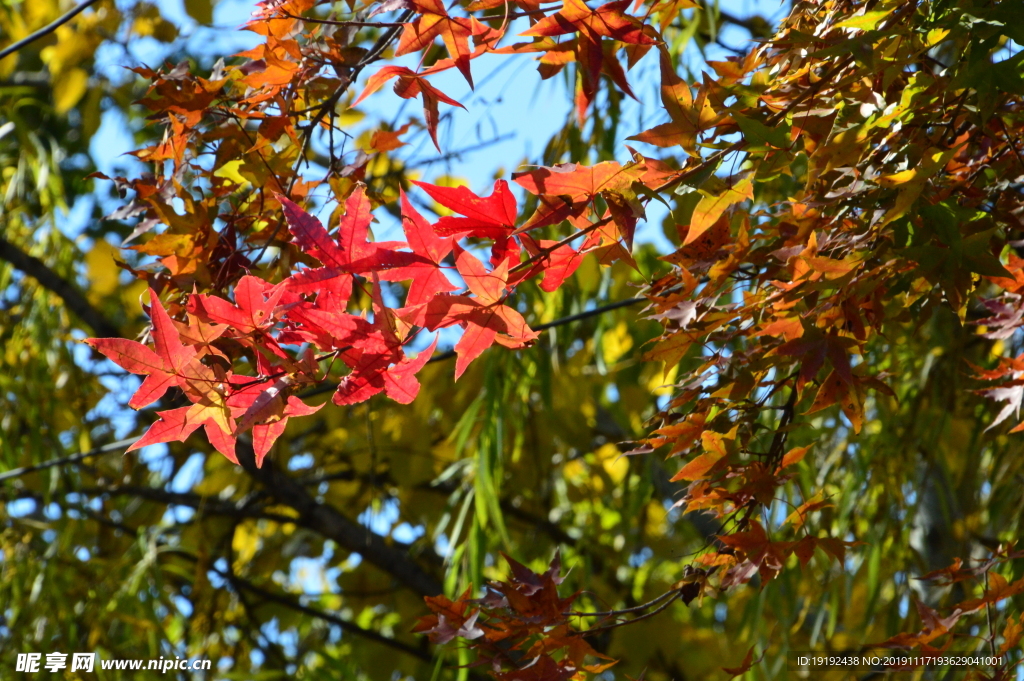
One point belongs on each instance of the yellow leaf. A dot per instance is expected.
(211, 407)
(68, 88)
(661, 382)
(711, 208)
(795, 455)
(897, 179)
(615, 343)
(671, 349)
(102, 272)
(614, 464)
(866, 22)
(229, 171)
(245, 543)
(936, 36)
(348, 118)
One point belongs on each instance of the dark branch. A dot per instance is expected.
(345, 625)
(74, 458)
(75, 301)
(46, 30)
(203, 504)
(329, 522)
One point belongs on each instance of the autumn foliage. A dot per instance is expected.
(830, 189)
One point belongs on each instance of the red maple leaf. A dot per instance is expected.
(173, 426)
(426, 273)
(264, 407)
(161, 368)
(176, 425)
(571, 187)
(265, 434)
(577, 183)
(352, 253)
(559, 263)
(434, 21)
(374, 372)
(325, 324)
(411, 84)
(607, 21)
(492, 217)
(486, 318)
(253, 311)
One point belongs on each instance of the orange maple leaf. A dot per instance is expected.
(434, 21)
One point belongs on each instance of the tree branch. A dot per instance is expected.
(344, 625)
(46, 30)
(50, 280)
(203, 504)
(329, 522)
(74, 458)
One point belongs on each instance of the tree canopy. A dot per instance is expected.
(731, 368)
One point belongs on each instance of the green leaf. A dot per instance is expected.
(760, 135)
(200, 10)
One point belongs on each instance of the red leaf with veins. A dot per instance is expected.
(400, 380)
(221, 441)
(411, 84)
(426, 273)
(138, 359)
(162, 368)
(484, 324)
(255, 300)
(165, 336)
(491, 217)
(489, 287)
(352, 253)
(311, 236)
(579, 183)
(608, 21)
(435, 21)
(173, 426)
(265, 434)
(475, 339)
(558, 264)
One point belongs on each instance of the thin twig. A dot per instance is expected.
(624, 611)
(652, 613)
(46, 30)
(332, 22)
(74, 458)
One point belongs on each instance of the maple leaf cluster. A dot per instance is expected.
(288, 335)
(775, 313)
(521, 628)
(251, 345)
